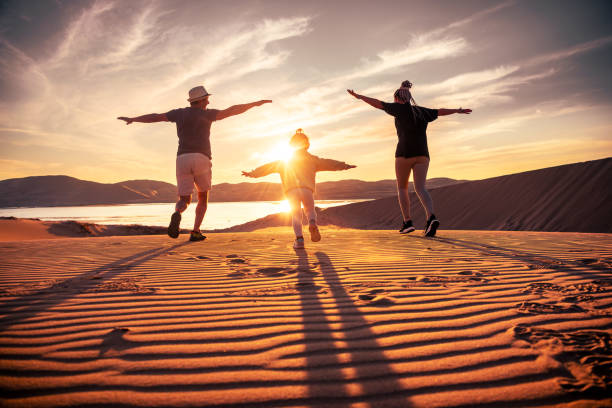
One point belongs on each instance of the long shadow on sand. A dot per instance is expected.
(22, 309)
(343, 356)
(535, 260)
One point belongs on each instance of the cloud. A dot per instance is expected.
(421, 48)
(568, 52)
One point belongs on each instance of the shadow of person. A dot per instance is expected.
(344, 362)
(26, 307)
(536, 260)
(325, 378)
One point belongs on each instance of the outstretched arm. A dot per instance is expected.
(370, 101)
(444, 112)
(150, 118)
(264, 170)
(333, 165)
(238, 109)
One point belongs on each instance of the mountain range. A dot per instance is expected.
(48, 191)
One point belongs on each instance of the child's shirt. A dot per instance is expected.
(300, 170)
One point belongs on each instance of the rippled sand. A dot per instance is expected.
(361, 319)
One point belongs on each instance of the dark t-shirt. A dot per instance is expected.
(193, 129)
(411, 125)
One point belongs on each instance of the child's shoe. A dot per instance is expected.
(315, 235)
(298, 243)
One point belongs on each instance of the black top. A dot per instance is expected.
(411, 125)
(193, 129)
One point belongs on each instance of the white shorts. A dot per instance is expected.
(193, 168)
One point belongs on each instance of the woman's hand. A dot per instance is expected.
(355, 94)
(127, 120)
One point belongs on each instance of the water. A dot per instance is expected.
(218, 215)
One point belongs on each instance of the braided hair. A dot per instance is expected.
(404, 94)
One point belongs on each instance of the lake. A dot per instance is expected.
(218, 215)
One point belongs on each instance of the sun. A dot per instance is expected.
(284, 206)
(280, 151)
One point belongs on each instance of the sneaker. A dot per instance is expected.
(173, 228)
(407, 227)
(315, 235)
(197, 236)
(298, 243)
(432, 226)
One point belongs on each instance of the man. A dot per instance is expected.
(193, 161)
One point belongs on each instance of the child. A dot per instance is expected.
(298, 180)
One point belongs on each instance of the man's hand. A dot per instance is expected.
(127, 120)
(350, 166)
(466, 111)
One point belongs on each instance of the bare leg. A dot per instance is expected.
(200, 210)
(308, 201)
(296, 211)
(402, 174)
(420, 176)
(175, 220)
(182, 203)
(309, 207)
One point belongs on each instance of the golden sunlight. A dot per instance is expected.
(280, 151)
(284, 206)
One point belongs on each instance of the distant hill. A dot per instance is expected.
(64, 190)
(46, 191)
(574, 197)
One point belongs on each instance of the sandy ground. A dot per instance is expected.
(360, 319)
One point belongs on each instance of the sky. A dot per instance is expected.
(535, 73)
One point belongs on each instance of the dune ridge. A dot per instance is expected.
(572, 198)
(369, 318)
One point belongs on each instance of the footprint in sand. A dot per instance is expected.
(540, 288)
(467, 277)
(234, 259)
(123, 285)
(585, 354)
(241, 273)
(281, 290)
(541, 308)
(275, 271)
(375, 297)
(575, 293)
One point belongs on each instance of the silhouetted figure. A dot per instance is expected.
(193, 161)
(411, 153)
(298, 180)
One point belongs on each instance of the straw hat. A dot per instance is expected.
(197, 93)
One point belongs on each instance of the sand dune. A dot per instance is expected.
(572, 198)
(18, 229)
(361, 319)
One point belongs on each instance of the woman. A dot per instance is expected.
(411, 153)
